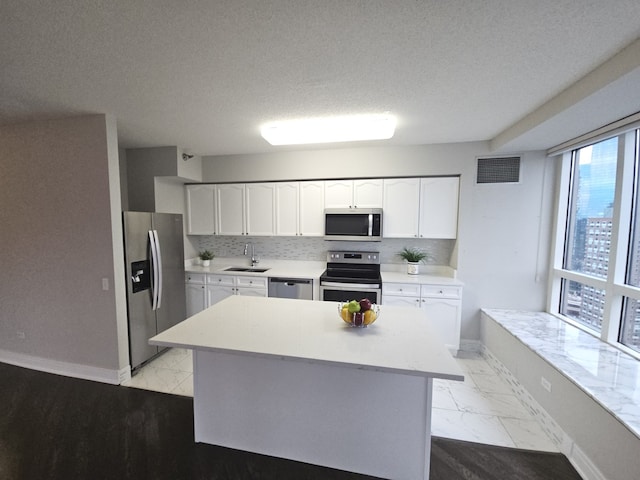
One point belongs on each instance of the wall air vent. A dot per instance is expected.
(498, 170)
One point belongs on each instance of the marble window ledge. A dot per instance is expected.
(605, 373)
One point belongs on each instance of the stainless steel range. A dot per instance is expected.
(351, 276)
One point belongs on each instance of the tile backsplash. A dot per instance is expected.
(315, 248)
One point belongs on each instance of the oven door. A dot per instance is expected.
(345, 292)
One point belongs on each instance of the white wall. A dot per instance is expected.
(58, 241)
(503, 240)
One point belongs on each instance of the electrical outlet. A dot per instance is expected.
(546, 384)
(20, 335)
(105, 284)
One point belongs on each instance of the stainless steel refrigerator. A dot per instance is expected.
(154, 263)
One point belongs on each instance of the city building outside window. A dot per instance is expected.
(596, 264)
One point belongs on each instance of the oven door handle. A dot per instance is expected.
(361, 286)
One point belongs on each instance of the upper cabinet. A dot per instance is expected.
(299, 208)
(439, 207)
(421, 207)
(260, 212)
(401, 210)
(201, 209)
(366, 193)
(245, 209)
(287, 208)
(412, 207)
(230, 209)
(311, 214)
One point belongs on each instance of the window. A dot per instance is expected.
(592, 191)
(597, 255)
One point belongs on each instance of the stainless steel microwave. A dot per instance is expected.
(354, 224)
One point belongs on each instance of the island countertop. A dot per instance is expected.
(400, 341)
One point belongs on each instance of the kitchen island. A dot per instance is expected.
(289, 378)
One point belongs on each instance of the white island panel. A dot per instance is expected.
(362, 421)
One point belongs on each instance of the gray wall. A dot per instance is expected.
(143, 165)
(504, 230)
(60, 198)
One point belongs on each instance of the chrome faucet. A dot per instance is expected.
(254, 259)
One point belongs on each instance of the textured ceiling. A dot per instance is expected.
(204, 75)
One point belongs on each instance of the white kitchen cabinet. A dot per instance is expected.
(216, 293)
(311, 213)
(439, 207)
(220, 287)
(286, 208)
(401, 210)
(441, 303)
(368, 193)
(251, 286)
(338, 193)
(421, 207)
(201, 218)
(413, 207)
(445, 315)
(196, 293)
(230, 209)
(364, 193)
(260, 209)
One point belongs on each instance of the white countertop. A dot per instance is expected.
(400, 341)
(423, 279)
(276, 268)
(302, 269)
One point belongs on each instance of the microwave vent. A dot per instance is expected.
(498, 170)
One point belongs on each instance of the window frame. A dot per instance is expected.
(614, 284)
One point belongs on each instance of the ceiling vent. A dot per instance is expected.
(498, 170)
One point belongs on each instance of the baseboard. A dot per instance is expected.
(67, 369)
(584, 465)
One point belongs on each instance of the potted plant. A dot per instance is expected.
(414, 257)
(206, 256)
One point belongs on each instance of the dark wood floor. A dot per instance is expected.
(54, 427)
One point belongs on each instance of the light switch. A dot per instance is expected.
(105, 284)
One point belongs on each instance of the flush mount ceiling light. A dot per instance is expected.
(330, 129)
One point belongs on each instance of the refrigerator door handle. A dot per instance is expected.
(159, 270)
(154, 267)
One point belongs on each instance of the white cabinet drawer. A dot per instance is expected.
(195, 278)
(255, 282)
(227, 280)
(440, 291)
(401, 289)
(401, 301)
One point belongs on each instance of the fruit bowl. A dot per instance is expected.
(365, 316)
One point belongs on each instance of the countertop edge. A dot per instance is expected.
(374, 368)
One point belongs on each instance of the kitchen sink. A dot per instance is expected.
(246, 269)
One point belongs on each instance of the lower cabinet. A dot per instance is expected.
(196, 291)
(220, 287)
(442, 304)
(204, 290)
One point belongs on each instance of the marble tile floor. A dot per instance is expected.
(481, 409)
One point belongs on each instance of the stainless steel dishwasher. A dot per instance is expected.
(281, 287)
